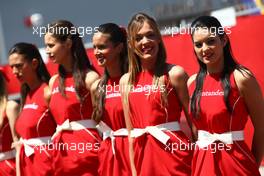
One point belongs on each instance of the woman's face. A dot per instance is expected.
(147, 42)
(105, 51)
(23, 69)
(208, 46)
(56, 50)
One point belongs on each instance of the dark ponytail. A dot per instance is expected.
(117, 35)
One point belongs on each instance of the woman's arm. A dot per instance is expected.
(179, 79)
(12, 112)
(93, 91)
(123, 85)
(251, 92)
(90, 78)
(48, 89)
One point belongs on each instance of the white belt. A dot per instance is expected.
(157, 131)
(74, 126)
(205, 138)
(109, 133)
(7, 155)
(30, 144)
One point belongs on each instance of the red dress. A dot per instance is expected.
(113, 153)
(35, 125)
(153, 156)
(221, 158)
(7, 155)
(76, 150)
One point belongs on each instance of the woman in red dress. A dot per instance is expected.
(8, 114)
(76, 140)
(110, 49)
(35, 125)
(154, 93)
(223, 93)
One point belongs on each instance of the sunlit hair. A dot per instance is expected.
(62, 30)
(134, 55)
(135, 24)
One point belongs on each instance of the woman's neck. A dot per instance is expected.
(148, 65)
(216, 67)
(114, 70)
(67, 64)
(34, 84)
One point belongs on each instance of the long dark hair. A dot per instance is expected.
(30, 52)
(63, 30)
(117, 35)
(230, 64)
(3, 88)
(3, 94)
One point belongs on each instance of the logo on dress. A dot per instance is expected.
(67, 89)
(212, 93)
(112, 95)
(147, 89)
(30, 106)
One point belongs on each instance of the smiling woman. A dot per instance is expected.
(152, 119)
(110, 49)
(221, 117)
(208, 48)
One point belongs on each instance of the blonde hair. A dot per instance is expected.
(135, 24)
